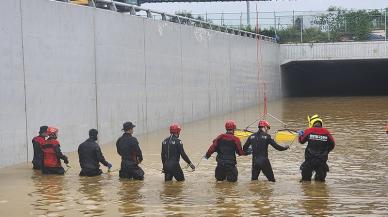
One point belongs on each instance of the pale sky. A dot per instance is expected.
(279, 5)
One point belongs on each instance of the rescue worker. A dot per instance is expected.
(131, 155)
(257, 145)
(37, 142)
(226, 145)
(90, 156)
(319, 144)
(52, 154)
(172, 150)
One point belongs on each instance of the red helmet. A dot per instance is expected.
(52, 130)
(264, 123)
(230, 125)
(175, 128)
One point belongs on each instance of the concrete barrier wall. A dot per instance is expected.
(78, 67)
(334, 51)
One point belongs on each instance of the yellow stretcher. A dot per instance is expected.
(286, 135)
(242, 134)
(281, 136)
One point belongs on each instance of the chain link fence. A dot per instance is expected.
(334, 25)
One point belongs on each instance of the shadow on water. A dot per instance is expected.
(49, 193)
(261, 198)
(173, 199)
(130, 198)
(92, 196)
(315, 198)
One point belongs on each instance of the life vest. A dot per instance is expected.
(50, 158)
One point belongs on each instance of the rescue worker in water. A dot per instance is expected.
(52, 154)
(37, 142)
(257, 145)
(131, 155)
(226, 145)
(172, 150)
(90, 156)
(319, 144)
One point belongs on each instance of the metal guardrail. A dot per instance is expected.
(133, 10)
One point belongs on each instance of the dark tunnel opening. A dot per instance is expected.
(365, 77)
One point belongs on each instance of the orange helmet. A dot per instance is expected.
(52, 130)
(175, 128)
(264, 123)
(230, 125)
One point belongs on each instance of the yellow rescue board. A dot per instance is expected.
(242, 134)
(285, 136)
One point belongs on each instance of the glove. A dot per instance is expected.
(109, 166)
(249, 151)
(192, 166)
(300, 132)
(66, 161)
(287, 147)
(205, 157)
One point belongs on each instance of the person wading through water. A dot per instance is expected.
(90, 156)
(131, 155)
(319, 144)
(257, 145)
(226, 145)
(172, 150)
(52, 154)
(37, 142)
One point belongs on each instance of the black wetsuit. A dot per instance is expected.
(320, 144)
(259, 142)
(226, 145)
(172, 150)
(37, 160)
(131, 155)
(90, 157)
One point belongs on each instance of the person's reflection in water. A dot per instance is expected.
(262, 193)
(48, 194)
(130, 198)
(91, 190)
(316, 200)
(227, 199)
(172, 198)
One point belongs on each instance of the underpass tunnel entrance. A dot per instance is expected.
(362, 77)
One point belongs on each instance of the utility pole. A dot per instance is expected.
(274, 18)
(301, 29)
(248, 15)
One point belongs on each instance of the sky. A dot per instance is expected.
(279, 5)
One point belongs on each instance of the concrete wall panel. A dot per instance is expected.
(163, 73)
(120, 73)
(334, 51)
(195, 70)
(59, 68)
(12, 109)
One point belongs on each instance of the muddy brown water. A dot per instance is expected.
(356, 184)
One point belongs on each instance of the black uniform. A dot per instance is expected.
(320, 143)
(172, 150)
(129, 150)
(90, 156)
(259, 142)
(226, 145)
(37, 161)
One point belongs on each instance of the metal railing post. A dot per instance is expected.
(149, 14)
(385, 23)
(92, 3)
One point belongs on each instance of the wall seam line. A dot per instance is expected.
(24, 77)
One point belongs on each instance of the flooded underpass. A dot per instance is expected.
(356, 184)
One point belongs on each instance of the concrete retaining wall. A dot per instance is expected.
(78, 67)
(334, 51)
